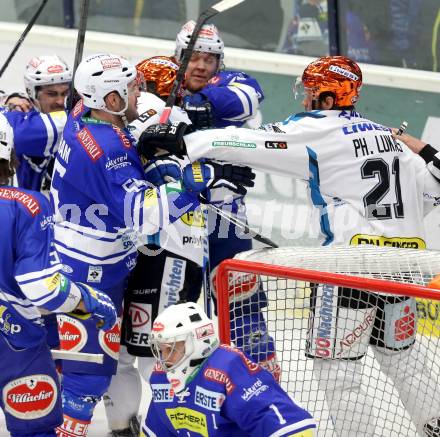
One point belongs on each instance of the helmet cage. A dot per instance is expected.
(155, 349)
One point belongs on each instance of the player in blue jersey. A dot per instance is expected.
(104, 210)
(202, 388)
(31, 278)
(38, 120)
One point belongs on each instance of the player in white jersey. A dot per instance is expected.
(366, 188)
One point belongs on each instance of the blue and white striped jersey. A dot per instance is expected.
(31, 272)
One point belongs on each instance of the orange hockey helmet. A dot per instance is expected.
(336, 74)
(160, 71)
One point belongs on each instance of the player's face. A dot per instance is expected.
(52, 97)
(133, 95)
(201, 68)
(172, 353)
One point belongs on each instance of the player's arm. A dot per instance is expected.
(262, 408)
(38, 270)
(429, 153)
(36, 134)
(234, 97)
(270, 150)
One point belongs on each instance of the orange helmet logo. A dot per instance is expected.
(336, 74)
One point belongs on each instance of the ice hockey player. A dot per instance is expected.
(31, 278)
(202, 388)
(104, 209)
(233, 98)
(366, 188)
(38, 119)
(173, 258)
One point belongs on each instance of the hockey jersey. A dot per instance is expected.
(235, 98)
(229, 396)
(36, 139)
(104, 208)
(186, 234)
(31, 272)
(366, 187)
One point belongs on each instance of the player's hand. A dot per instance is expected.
(167, 137)
(199, 176)
(200, 114)
(413, 143)
(17, 102)
(162, 169)
(99, 305)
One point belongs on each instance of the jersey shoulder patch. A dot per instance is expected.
(29, 201)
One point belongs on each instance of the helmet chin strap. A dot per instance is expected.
(121, 113)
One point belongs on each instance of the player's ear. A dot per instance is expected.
(328, 101)
(113, 101)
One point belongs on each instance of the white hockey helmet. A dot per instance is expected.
(45, 70)
(189, 323)
(208, 41)
(99, 75)
(6, 138)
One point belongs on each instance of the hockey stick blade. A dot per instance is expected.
(222, 6)
(77, 356)
(22, 37)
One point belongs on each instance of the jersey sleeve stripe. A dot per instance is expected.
(50, 134)
(37, 275)
(295, 428)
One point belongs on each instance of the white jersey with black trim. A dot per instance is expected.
(366, 187)
(184, 237)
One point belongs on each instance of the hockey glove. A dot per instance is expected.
(200, 114)
(163, 136)
(162, 170)
(99, 305)
(199, 176)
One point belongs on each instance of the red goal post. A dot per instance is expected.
(291, 276)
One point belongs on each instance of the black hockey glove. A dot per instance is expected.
(200, 115)
(199, 176)
(163, 136)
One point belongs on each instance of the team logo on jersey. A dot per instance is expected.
(234, 143)
(280, 145)
(78, 109)
(5, 325)
(217, 375)
(145, 116)
(72, 333)
(125, 141)
(140, 316)
(162, 392)
(29, 202)
(210, 400)
(110, 340)
(181, 396)
(186, 418)
(94, 274)
(399, 242)
(30, 397)
(251, 366)
(89, 144)
(254, 390)
(194, 218)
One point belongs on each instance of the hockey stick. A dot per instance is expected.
(77, 356)
(243, 226)
(22, 37)
(79, 48)
(222, 6)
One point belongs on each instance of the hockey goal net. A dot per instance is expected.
(355, 349)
